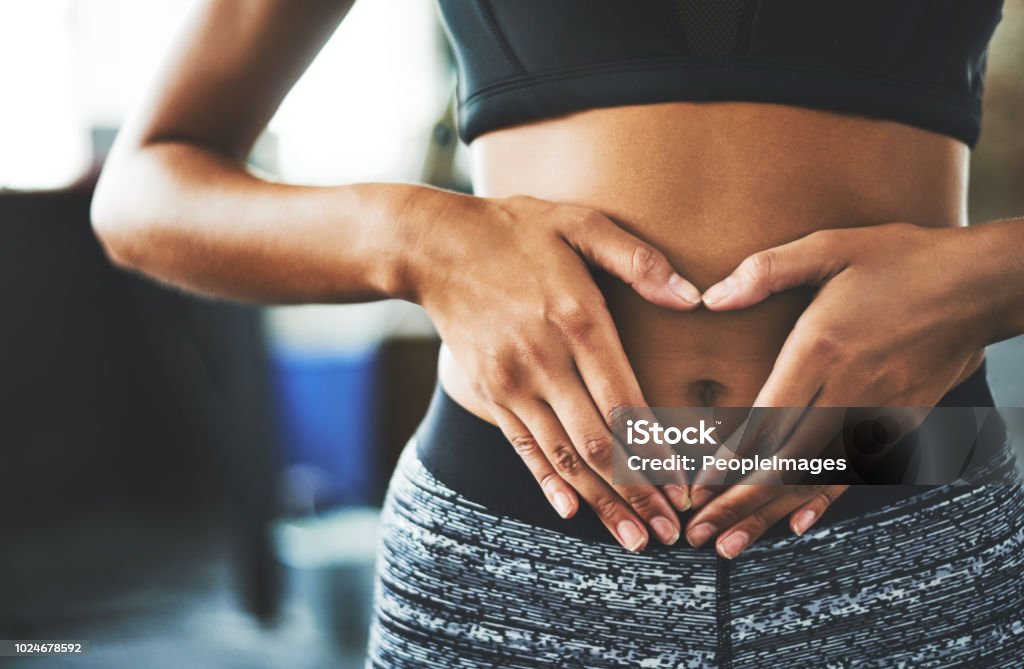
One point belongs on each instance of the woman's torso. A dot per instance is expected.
(709, 184)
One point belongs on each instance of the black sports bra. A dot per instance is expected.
(919, 62)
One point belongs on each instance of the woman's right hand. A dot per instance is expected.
(506, 282)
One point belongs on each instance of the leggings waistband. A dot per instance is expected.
(473, 457)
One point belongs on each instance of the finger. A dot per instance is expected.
(788, 385)
(817, 431)
(702, 493)
(818, 434)
(711, 480)
(863, 436)
(708, 481)
(597, 446)
(761, 432)
(793, 382)
(727, 509)
(813, 434)
(613, 388)
(808, 513)
(558, 448)
(809, 260)
(646, 269)
(560, 494)
(750, 528)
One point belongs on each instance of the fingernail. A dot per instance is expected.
(678, 497)
(700, 497)
(562, 504)
(803, 521)
(700, 534)
(720, 291)
(684, 289)
(665, 530)
(731, 546)
(632, 536)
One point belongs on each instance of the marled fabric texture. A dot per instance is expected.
(937, 581)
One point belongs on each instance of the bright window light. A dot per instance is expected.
(362, 112)
(42, 142)
(364, 109)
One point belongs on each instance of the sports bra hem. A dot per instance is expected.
(836, 88)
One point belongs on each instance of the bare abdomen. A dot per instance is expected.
(709, 184)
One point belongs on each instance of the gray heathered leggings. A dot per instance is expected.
(934, 581)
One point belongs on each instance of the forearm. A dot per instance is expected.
(197, 220)
(993, 259)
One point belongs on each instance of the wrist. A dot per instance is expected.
(990, 258)
(383, 237)
(420, 239)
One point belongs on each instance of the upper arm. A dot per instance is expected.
(229, 70)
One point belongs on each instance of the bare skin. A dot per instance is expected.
(661, 201)
(709, 200)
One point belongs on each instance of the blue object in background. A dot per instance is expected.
(326, 405)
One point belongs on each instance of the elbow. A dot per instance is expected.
(114, 236)
(119, 228)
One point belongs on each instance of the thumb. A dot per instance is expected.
(808, 261)
(635, 262)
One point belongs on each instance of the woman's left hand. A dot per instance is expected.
(895, 322)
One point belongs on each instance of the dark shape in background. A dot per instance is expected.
(118, 393)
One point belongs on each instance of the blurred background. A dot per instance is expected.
(187, 482)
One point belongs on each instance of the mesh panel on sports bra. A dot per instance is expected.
(715, 27)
